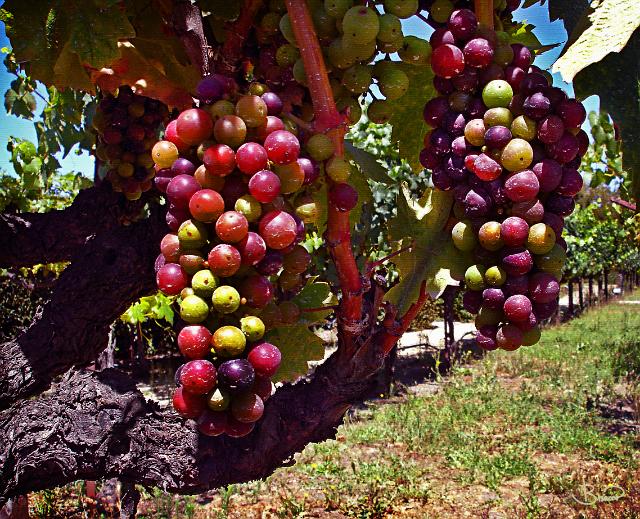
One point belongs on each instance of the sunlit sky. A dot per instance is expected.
(13, 126)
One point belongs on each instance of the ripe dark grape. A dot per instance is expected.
(180, 190)
(549, 174)
(236, 376)
(251, 158)
(252, 249)
(265, 359)
(198, 377)
(257, 290)
(212, 423)
(343, 197)
(224, 260)
(188, 405)
(447, 61)
(517, 308)
(271, 263)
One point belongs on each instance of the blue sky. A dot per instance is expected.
(537, 15)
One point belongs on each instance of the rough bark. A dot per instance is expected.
(108, 272)
(30, 238)
(96, 425)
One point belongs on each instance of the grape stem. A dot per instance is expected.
(484, 12)
(303, 124)
(390, 337)
(624, 203)
(328, 120)
(236, 34)
(379, 262)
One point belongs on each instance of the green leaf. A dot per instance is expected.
(610, 25)
(320, 197)
(359, 182)
(314, 295)
(415, 217)
(368, 163)
(408, 125)
(298, 345)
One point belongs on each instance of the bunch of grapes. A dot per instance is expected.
(351, 35)
(127, 126)
(509, 146)
(237, 186)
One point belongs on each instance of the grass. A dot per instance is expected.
(520, 434)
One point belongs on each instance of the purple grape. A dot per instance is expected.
(162, 179)
(536, 106)
(517, 261)
(549, 174)
(311, 170)
(565, 149)
(472, 300)
(159, 263)
(571, 182)
(521, 56)
(210, 89)
(460, 147)
(497, 137)
(429, 158)
(442, 36)
(466, 81)
(583, 145)
(514, 75)
(493, 71)
(485, 341)
(460, 192)
(531, 211)
(175, 217)
(493, 298)
(182, 166)
(180, 190)
(454, 167)
(271, 263)
(550, 129)
(555, 95)
(443, 85)
(463, 24)
(441, 141)
(543, 287)
(454, 124)
(459, 101)
(521, 186)
(236, 376)
(543, 311)
(515, 105)
(572, 112)
(496, 191)
(233, 189)
(435, 110)
(517, 308)
(555, 222)
(533, 82)
(516, 285)
(478, 52)
(561, 205)
(477, 203)
(273, 102)
(476, 108)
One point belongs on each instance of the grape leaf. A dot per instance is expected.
(368, 163)
(522, 32)
(359, 182)
(408, 125)
(432, 258)
(298, 345)
(609, 28)
(314, 295)
(320, 197)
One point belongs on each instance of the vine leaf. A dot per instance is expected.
(408, 125)
(432, 255)
(368, 163)
(298, 345)
(314, 295)
(358, 181)
(608, 29)
(321, 198)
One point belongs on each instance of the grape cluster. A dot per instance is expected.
(351, 36)
(127, 126)
(236, 184)
(509, 146)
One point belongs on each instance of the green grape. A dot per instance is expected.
(324, 23)
(287, 55)
(338, 169)
(497, 94)
(252, 327)
(337, 8)
(353, 107)
(287, 30)
(225, 299)
(249, 207)
(307, 210)
(186, 292)
(552, 261)
(320, 147)
(441, 10)
(361, 52)
(218, 400)
(390, 28)
(220, 109)
(503, 55)
(474, 277)
(489, 235)
(379, 111)
(229, 341)
(524, 128)
(401, 8)
(415, 51)
(126, 169)
(270, 23)
(338, 56)
(498, 117)
(463, 236)
(299, 73)
(393, 83)
(291, 177)
(193, 309)
(382, 66)
(495, 276)
(488, 316)
(531, 337)
(389, 47)
(204, 283)
(541, 239)
(360, 24)
(192, 234)
(516, 155)
(357, 79)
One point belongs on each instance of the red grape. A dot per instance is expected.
(278, 229)
(257, 290)
(219, 159)
(194, 341)
(198, 377)
(232, 226)
(251, 158)
(265, 359)
(282, 147)
(194, 126)
(171, 279)
(206, 205)
(264, 186)
(188, 405)
(252, 249)
(224, 260)
(212, 423)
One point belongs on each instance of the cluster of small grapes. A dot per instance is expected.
(127, 127)
(512, 162)
(351, 35)
(440, 10)
(231, 171)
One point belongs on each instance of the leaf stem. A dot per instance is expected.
(379, 262)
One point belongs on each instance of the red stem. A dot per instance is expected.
(236, 34)
(390, 339)
(624, 203)
(329, 121)
(484, 12)
(379, 262)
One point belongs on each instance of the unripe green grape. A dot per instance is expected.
(307, 210)
(360, 24)
(193, 309)
(338, 169)
(361, 52)
(357, 79)
(498, 117)
(415, 51)
(287, 30)
(488, 316)
(220, 109)
(225, 299)
(320, 147)
(379, 111)
(441, 10)
(249, 207)
(186, 292)
(390, 28)
(287, 55)
(401, 8)
(338, 55)
(541, 239)
(218, 400)
(324, 23)
(463, 236)
(229, 341)
(337, 8)
(192, 234)
(524, 128)
(389, 47)
(495, 276)
(270, 23)
(552, 261)
(531, 337)
(382, 66)
(252, 327)
(204, 283)
(516, 155)
(393, 83)
(474, 277)
(352, 106)
(299, 73)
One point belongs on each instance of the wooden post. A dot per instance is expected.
(590, 300)
(570, 309)
(580, 296)
(606, 285)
